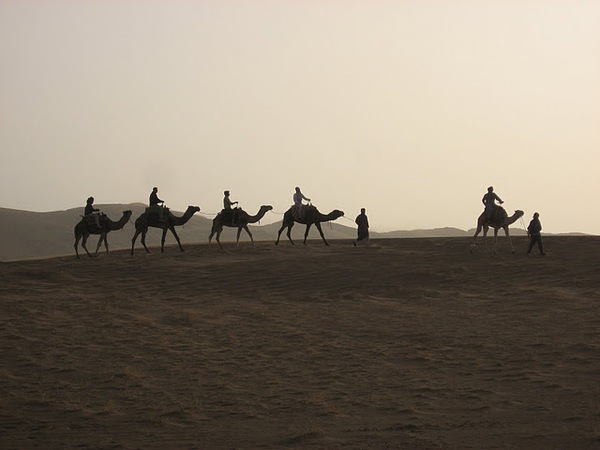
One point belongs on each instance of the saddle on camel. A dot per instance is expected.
(95, 222)
(229, 216)
(158, 213)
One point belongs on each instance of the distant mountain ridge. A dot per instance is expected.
(46, 234)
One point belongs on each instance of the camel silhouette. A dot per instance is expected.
(241, 223)
(499, 219)
(169, 222)
(311, 216)
(83, 229)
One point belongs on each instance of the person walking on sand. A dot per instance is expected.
(363, 228)
(489, 200)
(298, 205)
(534, 232)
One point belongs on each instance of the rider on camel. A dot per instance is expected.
(156, 205)
(489, 201)
(92, 213)
(228, 212)
(299, 208)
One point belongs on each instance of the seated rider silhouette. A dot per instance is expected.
(229, 213)
(155, 204)
(91, 214)
(299, 208)
(489, 200)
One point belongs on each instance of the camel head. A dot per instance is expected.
(192, 209)
(266, 208)
(336, 214)
(516, 216)
(127, 214)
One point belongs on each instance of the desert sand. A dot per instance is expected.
(411, 343)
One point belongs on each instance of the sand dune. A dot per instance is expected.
(407, 344)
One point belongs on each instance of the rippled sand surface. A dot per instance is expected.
(412, 343)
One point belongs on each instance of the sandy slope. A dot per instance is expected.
(408, 344)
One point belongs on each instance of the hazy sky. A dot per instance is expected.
(408, 108)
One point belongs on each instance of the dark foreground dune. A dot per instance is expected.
(408, 344)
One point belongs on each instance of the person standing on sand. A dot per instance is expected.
(363, 228)
(534, 232)
(489, 200)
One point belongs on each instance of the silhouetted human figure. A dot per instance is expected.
(363, 228)
(489, 200)
(534, 231)
(156, 205)
(229, 213)
(154, 200)
(91, 213)
(299, 207)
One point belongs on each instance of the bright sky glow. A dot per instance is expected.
(410, 109)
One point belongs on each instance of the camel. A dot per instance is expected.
(498, 220)
(241, 223)
(311, 216)
(169, 222)
(83, 230)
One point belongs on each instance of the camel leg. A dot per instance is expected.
(102, 238)
(144, 240)
(289, 233)
(176, 237)
(318, 225)
(77, 239)
(509, 240)
(218, 238)
(477, 233)
(308, 225)
(495, 239)
(133, 240)
(162, 240)
(106, 242)
(479, 228)
(279, 234)
(83, 242)
(485, 239)
(239, 232)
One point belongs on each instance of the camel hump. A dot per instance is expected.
(498, 214)
(93, 219)
(157, 214)
(156, 209)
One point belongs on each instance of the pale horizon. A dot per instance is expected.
(408, 109)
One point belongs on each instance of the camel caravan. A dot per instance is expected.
(156, 215)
